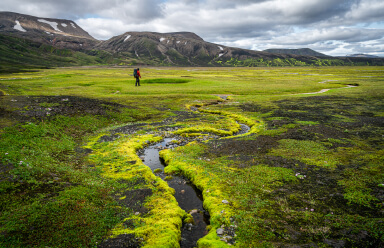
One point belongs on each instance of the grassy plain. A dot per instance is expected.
(310, 173)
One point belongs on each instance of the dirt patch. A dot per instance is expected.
(249, 107)
(28, 108)
(228, 147)
(122, 241)
(134, 199)
(4, 172)
(181, 116)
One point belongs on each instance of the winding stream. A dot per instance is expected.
(187, 195)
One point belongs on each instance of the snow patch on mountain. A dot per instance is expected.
(126, 38)
(73, 25)
(53, 24)
(162, 39)
(64, 25)
(221, 48)
(19, 27)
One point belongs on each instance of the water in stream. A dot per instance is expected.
(187, 195)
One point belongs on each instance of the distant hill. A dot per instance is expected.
(301, 51)
(36, 42)
(361, 55)
(57, 32)
(182, 48)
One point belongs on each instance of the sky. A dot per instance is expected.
(332, 27)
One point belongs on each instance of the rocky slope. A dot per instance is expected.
(182, 48)
(301, 51)
(57, 32)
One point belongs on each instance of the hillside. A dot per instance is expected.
(35, 42)
(361, 55)
(183, 48)
(301, 51)
(19, 54)
(56, 32)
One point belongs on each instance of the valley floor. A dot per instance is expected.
(308, 173)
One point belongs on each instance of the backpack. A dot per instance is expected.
(134, 72)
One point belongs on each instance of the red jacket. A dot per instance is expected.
(138, 74)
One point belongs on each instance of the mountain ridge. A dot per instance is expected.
(299, 51)
(361, 55)
(60, 42)
(57, 32)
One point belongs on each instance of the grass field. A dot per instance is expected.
(309, 174)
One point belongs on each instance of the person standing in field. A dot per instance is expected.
(136, 74)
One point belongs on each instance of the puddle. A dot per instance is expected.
(187, 195)
(244, 129)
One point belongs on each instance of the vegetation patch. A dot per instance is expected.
(166, 81)
(309, 172)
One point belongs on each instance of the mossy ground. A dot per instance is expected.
(309, 174)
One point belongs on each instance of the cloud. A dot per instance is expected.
(251, 24)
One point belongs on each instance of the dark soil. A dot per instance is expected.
(4, 172)
(30, 108)
(320, 189)
(134, 199)
(121, 241)
(260, 144)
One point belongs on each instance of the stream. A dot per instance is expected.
(187, 195)
(189, 198)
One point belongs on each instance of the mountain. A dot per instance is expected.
(182, 48)
(56, 32)
(301, 51)
(28, 42)
(361, 55)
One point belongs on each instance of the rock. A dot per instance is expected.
(194, 211)
(137, 213)
(142, 158)
(182, 191)
(225, 201)
(220, 231)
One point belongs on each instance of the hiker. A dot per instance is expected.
(136, 74)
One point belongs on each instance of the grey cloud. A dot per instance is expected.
(340, 34)
(252, 24)
(128, 10)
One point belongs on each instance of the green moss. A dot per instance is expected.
(160, 228)
(168, 178)
(309, 152)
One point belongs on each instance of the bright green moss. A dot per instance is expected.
(160, 228)
(309, 152)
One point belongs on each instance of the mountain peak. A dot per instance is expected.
(20, 24)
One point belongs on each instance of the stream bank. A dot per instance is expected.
(187, 195)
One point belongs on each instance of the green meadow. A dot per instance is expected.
(309, 173)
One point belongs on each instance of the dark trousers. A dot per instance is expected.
(137, 81)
